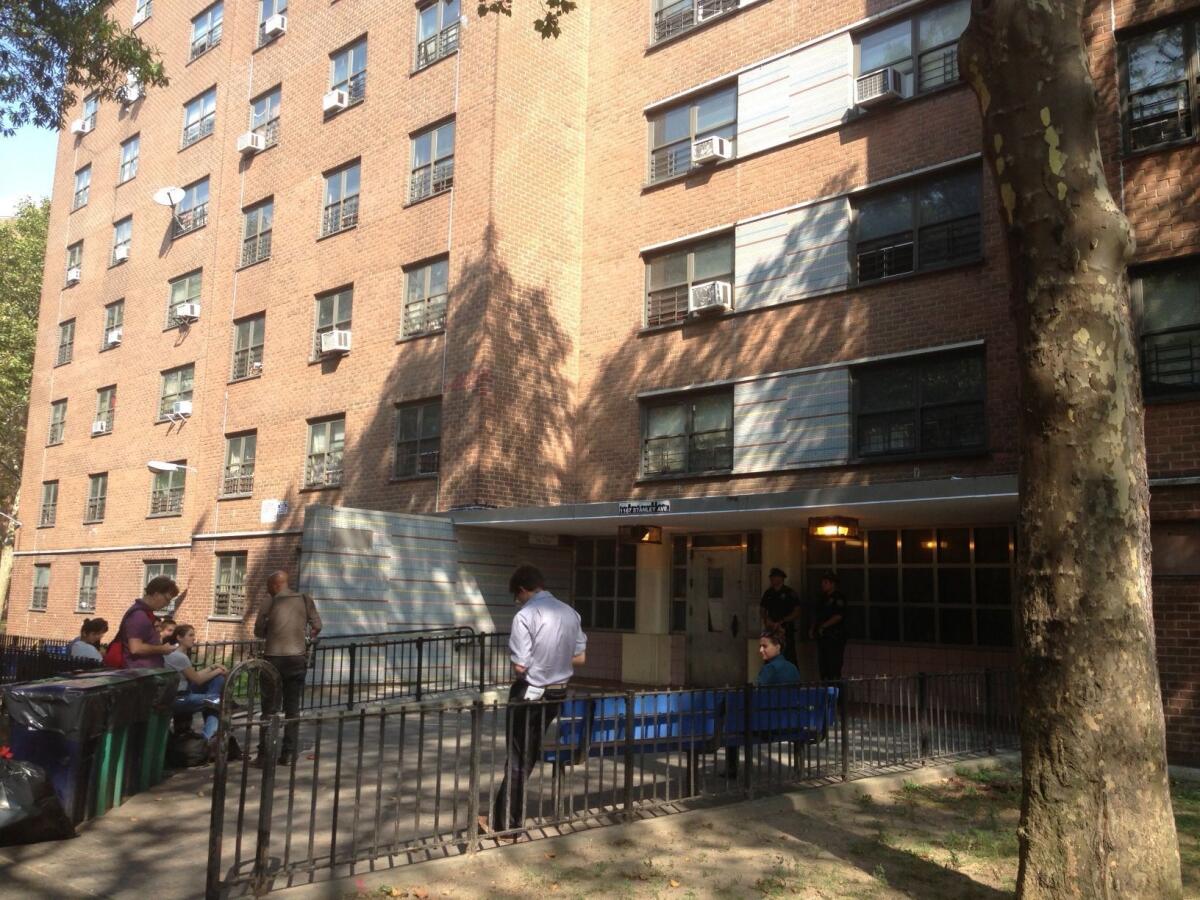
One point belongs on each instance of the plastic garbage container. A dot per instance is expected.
(148, 737)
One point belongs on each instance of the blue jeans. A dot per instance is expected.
(192, 701)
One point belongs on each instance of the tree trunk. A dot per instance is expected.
(1096, 817)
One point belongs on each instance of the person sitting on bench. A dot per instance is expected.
(777, 669)
(199, 689)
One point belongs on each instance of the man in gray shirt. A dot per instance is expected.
(282, 621)
(546, 643)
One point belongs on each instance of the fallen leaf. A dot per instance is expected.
(673, 883)
(550, 856)
(420, 893)
(395, 892)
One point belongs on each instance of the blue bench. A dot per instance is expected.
(800, 714)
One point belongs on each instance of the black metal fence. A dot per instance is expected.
(27, 659)
(394, 785)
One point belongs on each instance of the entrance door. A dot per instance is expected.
(716, 636)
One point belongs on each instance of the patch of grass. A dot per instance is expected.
(1185, 798)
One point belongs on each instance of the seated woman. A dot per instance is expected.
(87, 645)
(199, 690)
(776, 668)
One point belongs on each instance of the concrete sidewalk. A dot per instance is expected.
(156, 846)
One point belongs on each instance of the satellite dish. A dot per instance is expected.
(169, 196)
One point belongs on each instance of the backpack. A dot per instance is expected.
(117, 655)
(186, 751)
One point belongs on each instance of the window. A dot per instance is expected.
(1160, 81)
(114, 321)
(74, 263)
(129, 158)
(156, 567)
(97, 495)
(673, 131)
(199, 117)
(927, 404)
(341, 200)
(333, 311)
(181, 290)
(264, 116)
(206, 29)
(192, 212)
(106, 408)
(326, 443)
(348, 71)
(672, 17)
(679, 583)
(66, 342)
(49, 504)
(922, 226)
(256, 232)
(688, 434)
(432, 162)
(83, 182)
(671, 275)
(166, 491)
(239, 464)
(924, 49)
(89, 578)
(248, 337)
(426, 291)
(1167, 304)
(41, 588)
(925, 585)
(122, 238)
(266, 9)
(606, 583)
(418, 439)
(58, 422)
(91, 106)
(142, 11)
(176, 387)
(437, 31)
(229, 593)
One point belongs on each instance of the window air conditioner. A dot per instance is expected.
(187, 312)
(112, 337)
(275, 25)
(251, 142)
(74, 275)
(879, 87)
(335, 100)
(181, 408)
(121, 253)
(336, 341)
(81, 126)
(710, 149)
(710, 297)
(133, 88)
(99, 427)
(707, 11)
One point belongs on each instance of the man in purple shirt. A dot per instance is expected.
(139, 632)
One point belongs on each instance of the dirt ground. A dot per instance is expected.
(931, 833)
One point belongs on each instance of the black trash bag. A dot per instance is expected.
(186, 751)
(29, 810)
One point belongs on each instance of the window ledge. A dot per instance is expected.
(251, 265)
(203, 53)
(427, 197)
(1166, 147)
(269, 42)
(102, 433)
(401, 479)
(168, 515)
(226, 618)
(916, 273)
(692, 172)
(430, 65)
(1182, 396)
(335, 113)
(699, 26)
(404, 339)
(923, 456)
(198, 140)
(333, 234)
(315, 488)
(93, 521)
(182, 234)
(683, 476)
(221, 497)
(127, 180)
(36, 609)
(244, 378)
(55, 444)
(115, 264)
(84, 612)
(64, 363)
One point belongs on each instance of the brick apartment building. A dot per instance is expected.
(436, 295)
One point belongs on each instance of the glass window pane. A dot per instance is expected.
(885, 215)
(712, 413)
(885, 46)
(713, 260)
(422, 150)
(955, 626)
(819, 553)
(952, 379)
(884, 389)
(627, 555)
(943, 24)
(991, 545)
(954, 586)
(852, 583)
(627, 583)
(439, 278)
(673, 125)
(993, 587)
(885, 586)
(919, 625)
(664, 421)
(949, 198)
(918, 545)
(1170, 298)
(583, 552)
(606, 583)
(583, 582)
(1157, 58)
(668, 270)
(604, 614)
(444, 141)
(856, 621)
(954, 545)
(606, 552)
(995, 627)
(427, 22)
(881, 546)
(917, 586)
(626, 616)
(719, 109)
(885, 623)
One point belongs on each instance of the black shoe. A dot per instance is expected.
(259, 761)
(287, 759)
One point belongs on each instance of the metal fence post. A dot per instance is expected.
(482, 662)
(628, 801)
(747, 737)
(420, 665)
(473, 777)
(923, 713)
(988, 715)
(843, 709)
(353, 667)
(260, 880)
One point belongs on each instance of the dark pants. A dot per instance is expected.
(830, 652)
(789, 643)
(292, 670)
(526, 723)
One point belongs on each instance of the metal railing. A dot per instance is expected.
(66, 351)
(247, 362)
(48, 515)
(189, 220)
(95, 509)
(425, 314)
(885, 256)
(166, 501)
(701, 451)
(28, 658)
(202, 127)
(206, 41)
(339, 216)
(1171, 360)
(667, 162)
(400, 784)
(269, 131)
(686, 15)
(437, 45)
(323, 469)
(239, 479)
(256, 248)
(430, 180)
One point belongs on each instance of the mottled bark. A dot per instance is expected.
(1096, 816)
